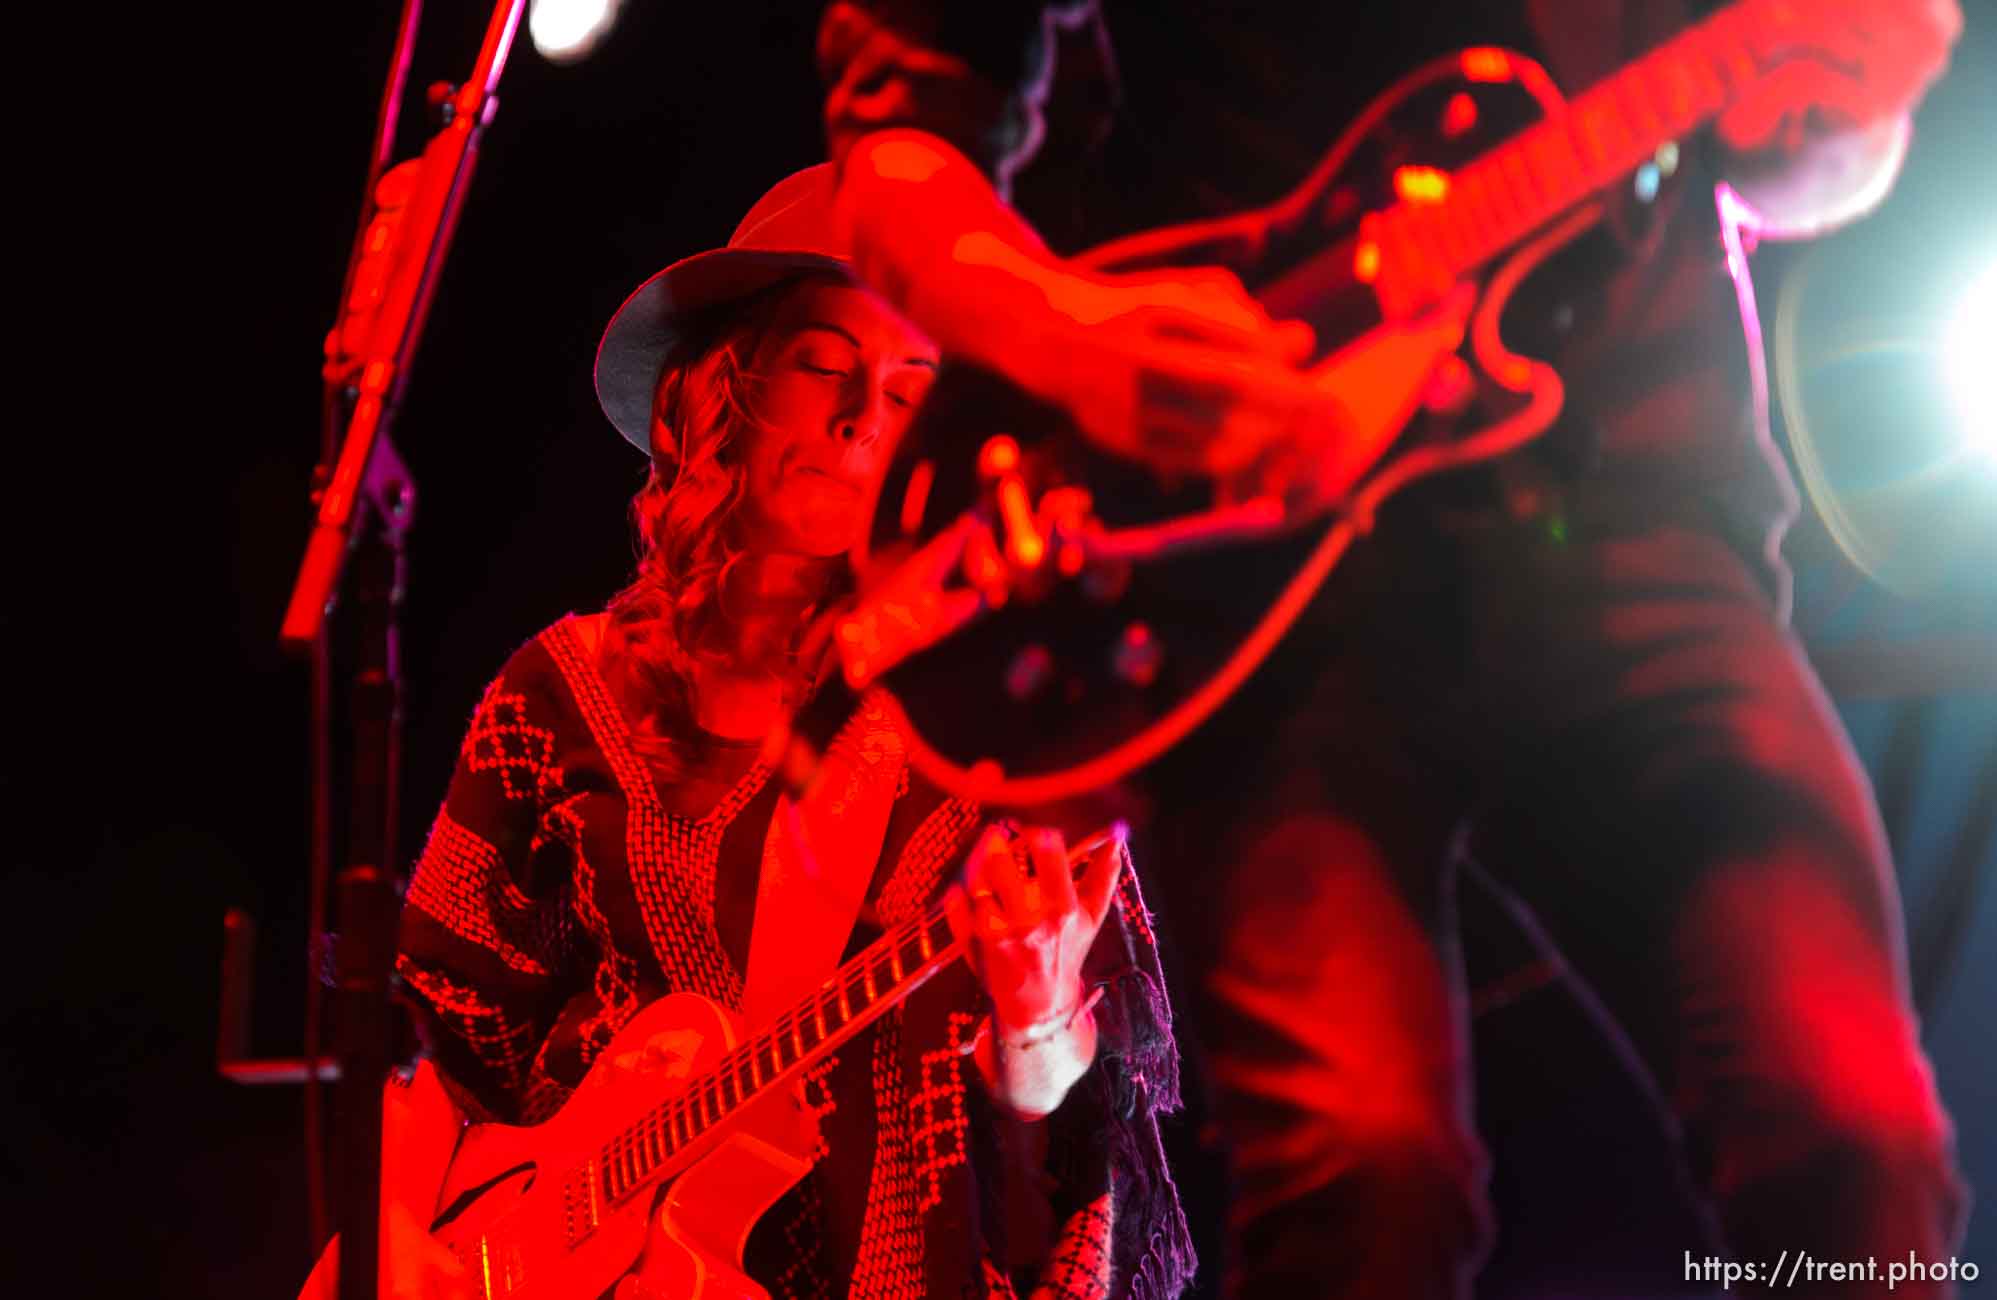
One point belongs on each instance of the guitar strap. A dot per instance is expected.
(819, 856)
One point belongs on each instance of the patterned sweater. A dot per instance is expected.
(565, 886)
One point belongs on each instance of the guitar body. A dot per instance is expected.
(1080, 659)
(511, 1210)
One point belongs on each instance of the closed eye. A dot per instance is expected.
(822, 370)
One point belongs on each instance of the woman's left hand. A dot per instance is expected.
(1026, 936)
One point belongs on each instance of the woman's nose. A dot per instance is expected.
(865, 417)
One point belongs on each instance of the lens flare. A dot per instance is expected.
(1969, 361)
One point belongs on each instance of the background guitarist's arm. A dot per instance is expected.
(1180, 370)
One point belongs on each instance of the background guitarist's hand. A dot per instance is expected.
(1179, 370)
(1819, 139)
(1845, 63)
(1025, 937)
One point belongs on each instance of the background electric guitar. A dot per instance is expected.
(1428, 213)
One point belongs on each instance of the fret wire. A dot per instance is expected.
(1673, 87)
(894, 961)
(1457, 244)
(1469, 197)
(1523, 208)
(1736, 58)
(1589, 121)
(818, 1014)
(1704, 69)
(922, 938)
(1558, 167)
(867, 980)
(755, 1069)
(845, 1006)
(1513, 165)
(745, 1082)
(1639, 109)
(1671, 82)
(1504, 214)
(1478, 208)
(1481, 215)
(797, 1036)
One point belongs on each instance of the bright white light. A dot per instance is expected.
(565, 31)
(1969, 359)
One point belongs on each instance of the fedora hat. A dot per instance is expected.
(789, 232)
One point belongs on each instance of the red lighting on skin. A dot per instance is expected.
(1087, 301)
(1459, 116)
(1487, 63)
(998, 457)
(905, 160)
(1421, 184)
(1366, 262)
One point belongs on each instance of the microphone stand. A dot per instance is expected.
(364, 510)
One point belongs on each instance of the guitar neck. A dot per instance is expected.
(1505, 195)
(858, 993)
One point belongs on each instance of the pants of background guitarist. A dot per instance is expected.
(1697, 837)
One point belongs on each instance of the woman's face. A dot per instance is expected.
(840, 377)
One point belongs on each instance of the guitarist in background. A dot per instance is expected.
(1585, 645)
(613, 833)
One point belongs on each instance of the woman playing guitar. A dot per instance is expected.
(615, 839)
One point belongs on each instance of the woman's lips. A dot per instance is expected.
(813, 471)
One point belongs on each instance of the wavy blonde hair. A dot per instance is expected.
(673, 613)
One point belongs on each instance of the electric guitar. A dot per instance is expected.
(1425, 217)
(707, 1142)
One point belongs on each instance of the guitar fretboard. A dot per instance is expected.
(1513, 190)
(862, 989)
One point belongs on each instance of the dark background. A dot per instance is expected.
(163, 740)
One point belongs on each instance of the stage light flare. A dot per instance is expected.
(565, 31)
(1969, 361)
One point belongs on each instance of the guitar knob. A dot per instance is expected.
(1029, 672)
(1450, 388)
(1138, 656)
